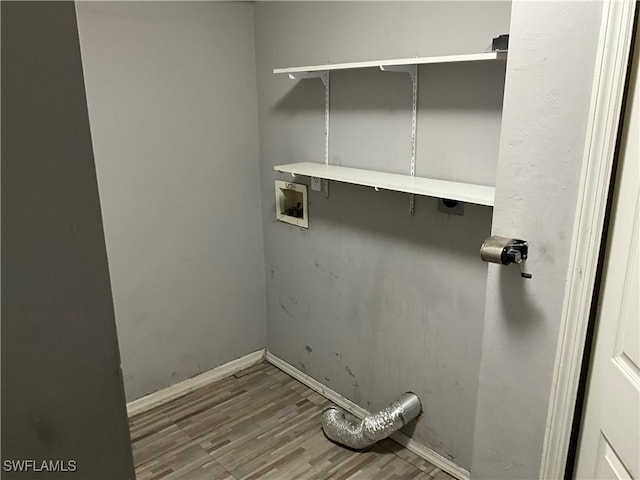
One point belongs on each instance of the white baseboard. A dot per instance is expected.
(429, 455)
(313, 384)
(435, 458)
(172, 392)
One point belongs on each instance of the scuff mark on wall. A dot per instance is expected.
(285, 309)
(332, 274)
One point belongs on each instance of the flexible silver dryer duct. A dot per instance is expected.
(372, 428)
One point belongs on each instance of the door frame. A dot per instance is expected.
(609, 81)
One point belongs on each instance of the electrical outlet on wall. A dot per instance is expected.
(316, 184)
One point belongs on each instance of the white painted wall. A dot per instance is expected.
(171, 89)
(371, 301)
(546, 107)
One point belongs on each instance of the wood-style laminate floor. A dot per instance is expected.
(258, 424)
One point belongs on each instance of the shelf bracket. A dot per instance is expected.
(323, 75)
(412, 70)
(325, 80)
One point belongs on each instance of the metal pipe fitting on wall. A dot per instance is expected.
(506, 251)
(372, 428)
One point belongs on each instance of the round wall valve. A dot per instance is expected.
(506, 251)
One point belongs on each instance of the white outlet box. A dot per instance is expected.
(316, 184)
(291, 203)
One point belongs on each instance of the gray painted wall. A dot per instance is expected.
(171, 89)
(62, 390)
(546, 109)
(371, 301)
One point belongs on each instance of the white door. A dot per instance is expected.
(609, 446)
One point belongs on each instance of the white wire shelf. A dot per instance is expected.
(474, 57)
(462, 192)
